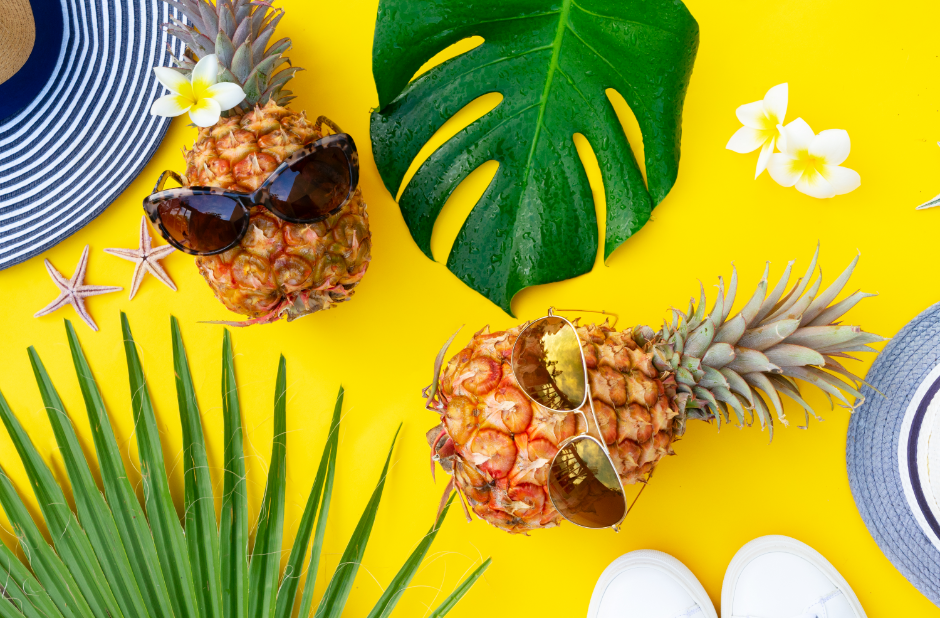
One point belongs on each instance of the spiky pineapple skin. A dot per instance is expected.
(279, 269)
(498, 443)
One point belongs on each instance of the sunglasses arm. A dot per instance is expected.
(552, 310)
(163, 178)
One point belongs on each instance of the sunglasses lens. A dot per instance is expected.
(203, 223)
(584, 487)
(547, 363)
(313, 187)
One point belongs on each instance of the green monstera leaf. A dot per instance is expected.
(552, 60)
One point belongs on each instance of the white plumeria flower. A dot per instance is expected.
(811, 162)
(760, 120)
(202, 97)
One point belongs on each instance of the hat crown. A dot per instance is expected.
(18, 33)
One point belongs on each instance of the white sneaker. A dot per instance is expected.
(780, 577)
(649, 584)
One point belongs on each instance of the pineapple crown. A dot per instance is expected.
(719, 364)
(238, 32)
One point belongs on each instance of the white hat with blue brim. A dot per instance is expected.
(893, 452)
(76, 85)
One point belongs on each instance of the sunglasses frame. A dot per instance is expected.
(261, 196)
(582, 436)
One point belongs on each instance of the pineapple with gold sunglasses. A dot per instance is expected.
(548, 364)
(533, 419)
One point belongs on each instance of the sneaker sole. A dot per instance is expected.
(657, 560)
(769, 544)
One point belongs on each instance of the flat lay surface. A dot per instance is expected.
(850, 66)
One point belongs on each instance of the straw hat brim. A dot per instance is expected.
(882, 452)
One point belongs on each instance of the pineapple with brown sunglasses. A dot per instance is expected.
(279, 267)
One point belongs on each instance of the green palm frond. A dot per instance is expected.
(113, 558)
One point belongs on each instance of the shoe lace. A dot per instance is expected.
(814, 610)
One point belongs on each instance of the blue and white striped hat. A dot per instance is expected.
(893, 452)
(84, 131)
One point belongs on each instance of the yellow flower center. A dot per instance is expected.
(198, 88)
(807, 165)
(814, 161)
(769, 123)
(186, 92)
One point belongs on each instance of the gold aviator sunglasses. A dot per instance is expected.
(583, 484)
(549, 366)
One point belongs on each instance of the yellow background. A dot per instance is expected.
(870, 68)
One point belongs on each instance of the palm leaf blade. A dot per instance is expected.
(393, 593)
(266, 556)
(337, 592)
(461, 590)
(306, 601)
(164, 522)
(233, 527)
(8, 608)
(71, 543)
(118, 565)
(49, 568)
(14, 574)
(288, 592)
(128, 514)
(93, 511)
(20, 599)
(202, 534)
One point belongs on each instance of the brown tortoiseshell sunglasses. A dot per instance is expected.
(314, 183)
